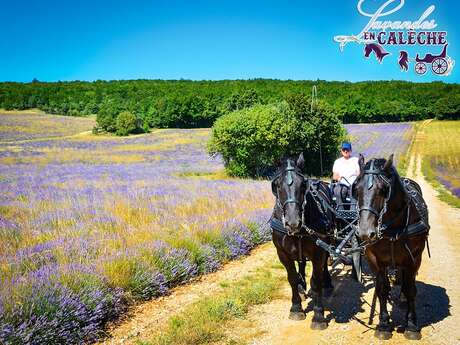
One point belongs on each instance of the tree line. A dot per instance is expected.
(189, 104)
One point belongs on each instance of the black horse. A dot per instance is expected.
(301, 220)
(393, 223)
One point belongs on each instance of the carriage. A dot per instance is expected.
(344, 247)
(439, 63)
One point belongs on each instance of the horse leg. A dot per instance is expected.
(409, 289)
(382, 286)
(327, 282)
(296, 311)
(302, 285)
(318, 322)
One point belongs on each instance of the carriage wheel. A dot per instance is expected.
(420, 68)
(439, 66)
(357, 269)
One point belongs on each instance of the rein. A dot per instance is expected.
(290, 199)
(381, 226)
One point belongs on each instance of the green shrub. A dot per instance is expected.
(448, 108)
(251, 140)
(106, 116)
(246, 99)
(127, 123)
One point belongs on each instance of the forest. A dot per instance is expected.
(191, 104)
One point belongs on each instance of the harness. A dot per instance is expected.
(311, 189)
(412, 195)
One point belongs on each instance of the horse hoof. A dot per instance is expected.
(318, 325)
(297, 315)
(411, 335)
(383, 335)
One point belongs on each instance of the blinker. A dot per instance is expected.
(370, 181)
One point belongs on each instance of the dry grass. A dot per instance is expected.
(439, 145)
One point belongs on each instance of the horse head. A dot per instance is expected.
(367, 50)
(372, 190)
(289, 186)
(403, 60)
(379, 51)
(403, 55)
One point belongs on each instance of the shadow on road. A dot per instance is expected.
(432, 305)
(347, 301)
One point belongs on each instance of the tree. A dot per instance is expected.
(127, 123)
(252, 139)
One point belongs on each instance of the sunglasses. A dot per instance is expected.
(345, 150)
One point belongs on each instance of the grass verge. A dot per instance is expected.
(444, 194)
(206, 320)
(438, 142)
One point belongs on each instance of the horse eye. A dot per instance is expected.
(382, 190)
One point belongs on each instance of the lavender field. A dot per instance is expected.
(379, 140)
(89, 224)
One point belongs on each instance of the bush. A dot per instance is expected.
(251, 140)
(319, 130)
(238, 101)
(127, 123)
(448, 108)
(106, 117)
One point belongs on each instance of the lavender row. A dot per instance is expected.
(381, 139)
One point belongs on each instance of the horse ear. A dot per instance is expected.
(301, 162)
(361, 163)
(388, 163)
(274, 186)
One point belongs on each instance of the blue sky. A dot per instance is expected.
(89, 40)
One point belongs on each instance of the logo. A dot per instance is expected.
(379, 37)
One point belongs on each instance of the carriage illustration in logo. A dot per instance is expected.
(439, 63)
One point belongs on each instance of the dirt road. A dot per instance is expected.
(438, 299)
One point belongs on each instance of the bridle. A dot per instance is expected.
(290, 171)
(381, 227)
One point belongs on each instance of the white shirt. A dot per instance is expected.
(347, 168)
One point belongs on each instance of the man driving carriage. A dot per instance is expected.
(345, 171)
